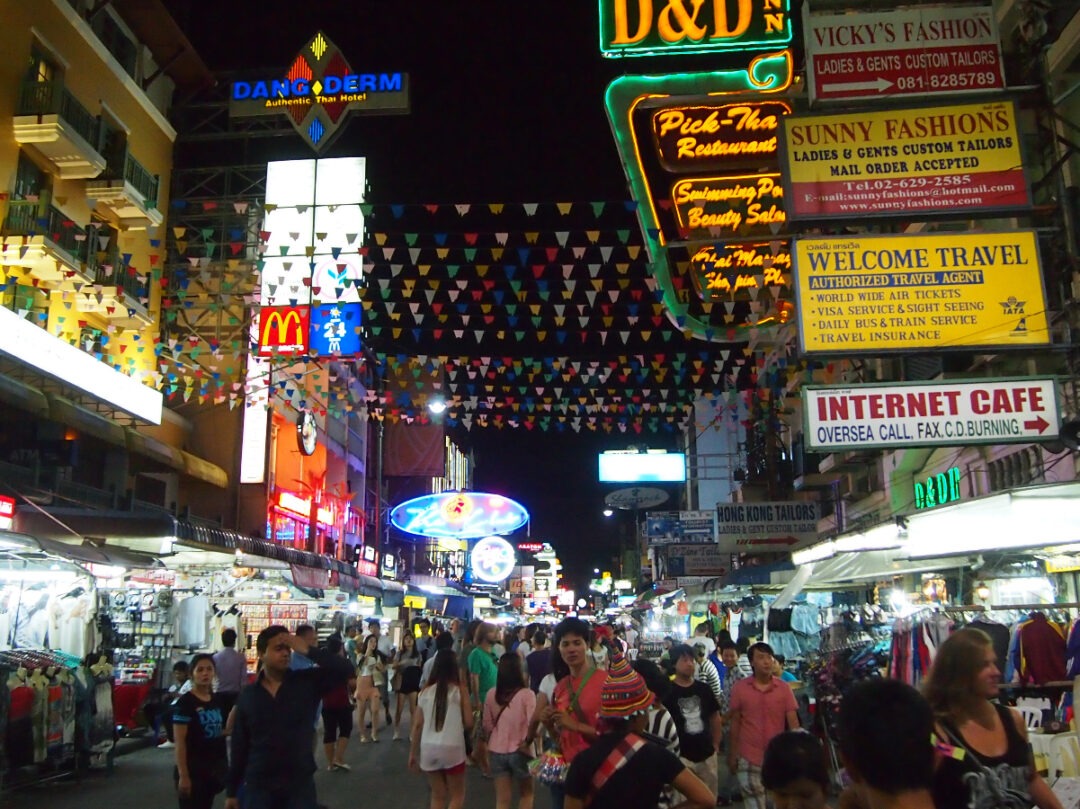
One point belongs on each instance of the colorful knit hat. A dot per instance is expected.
(625, 692)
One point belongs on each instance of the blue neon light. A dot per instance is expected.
(460, 515)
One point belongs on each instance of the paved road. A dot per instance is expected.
(379, 779)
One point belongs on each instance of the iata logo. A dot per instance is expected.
(283, 330)
(318, 91)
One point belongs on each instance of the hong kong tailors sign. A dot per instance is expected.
(930, 414)
(718, 137)
(931, 160)
(925, 50)
(937, 291)
(318, 92)
(679, 27)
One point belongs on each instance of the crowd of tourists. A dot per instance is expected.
(582, 716)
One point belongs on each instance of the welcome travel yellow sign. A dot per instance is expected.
(938, 291)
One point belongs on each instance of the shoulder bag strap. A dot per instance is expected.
(618, 758)
(575, 705)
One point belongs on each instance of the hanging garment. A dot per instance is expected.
(1042, 651)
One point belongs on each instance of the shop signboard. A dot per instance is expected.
(766, 526)
(318, 92)
(697, 560)
(335, 329)
(919, 50)
(459, 515)
(930, 414)
(923, 292)
(676, 27)
(680, 527)
(732, 206)
(283, 330)
(7, 512)
(718, 137)
(721, 270)
(946, 160)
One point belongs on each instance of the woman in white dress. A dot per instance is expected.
(442, 719)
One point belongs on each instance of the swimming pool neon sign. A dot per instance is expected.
(460, 515)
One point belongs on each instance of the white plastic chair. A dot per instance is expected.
(1064, 757)
(1032, 716)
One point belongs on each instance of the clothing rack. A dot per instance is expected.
(1069, 605)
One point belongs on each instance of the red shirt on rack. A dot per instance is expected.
(1042, 651)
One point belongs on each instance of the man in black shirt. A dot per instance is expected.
(272, 757)
(697, 717)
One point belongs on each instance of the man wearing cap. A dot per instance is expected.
(600, 775)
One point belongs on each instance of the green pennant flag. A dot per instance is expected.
(411, 238)
(597, 209)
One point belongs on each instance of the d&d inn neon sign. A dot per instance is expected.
(938, 489)
(318, 91)
(679, 27)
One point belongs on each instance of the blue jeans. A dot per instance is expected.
(301, 796)
(558, 795)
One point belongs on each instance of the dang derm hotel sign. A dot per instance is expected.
(318, 92)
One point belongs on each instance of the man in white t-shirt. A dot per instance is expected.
(701, 635)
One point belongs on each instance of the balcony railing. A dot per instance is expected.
(106, 267)
(145, 182)
(52, 98)
(24, 218)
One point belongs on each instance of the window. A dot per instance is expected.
(1022, 468)
(30, 181)
(41, 67)
(116, 41)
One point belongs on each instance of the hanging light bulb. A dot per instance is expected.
(982, 591)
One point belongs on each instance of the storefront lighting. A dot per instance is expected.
(879, 538)
(55, 576)
(982, 591)
(815, 553)
(436, 406)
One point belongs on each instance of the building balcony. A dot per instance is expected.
(52, 121)
(127, 193)
(116, 291)
(50, 246)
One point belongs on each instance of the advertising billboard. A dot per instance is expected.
(923, 292)
(730, 205)
(767, 526)
(930, 414)
(335, 329)
(952, 160)
(680, 527)
(915, 51)
(645, 28)
(639, 467)
(697, 560)
(283, 330)
(318, 92)
(717, 137)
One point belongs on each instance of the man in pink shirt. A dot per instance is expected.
(762, 706)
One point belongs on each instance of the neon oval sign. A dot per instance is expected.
(493, 559)
(459, 515)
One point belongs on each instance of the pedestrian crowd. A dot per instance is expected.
(582, 716)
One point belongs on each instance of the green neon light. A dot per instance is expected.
(771, 73)
(680, 27)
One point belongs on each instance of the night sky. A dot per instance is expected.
(507, 105)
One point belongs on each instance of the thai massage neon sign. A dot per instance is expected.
(459, 515)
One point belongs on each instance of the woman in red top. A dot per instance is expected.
(574, 716)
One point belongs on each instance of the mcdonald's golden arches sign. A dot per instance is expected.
(283, 330)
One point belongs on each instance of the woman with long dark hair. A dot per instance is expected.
(507, 711)
(985, 759)
(199, 731)
(442, 719)
(407, 667)
(371, 670)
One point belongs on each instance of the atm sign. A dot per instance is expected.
(283, 330)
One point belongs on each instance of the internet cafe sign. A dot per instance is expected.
(679, 27)
(318, 91)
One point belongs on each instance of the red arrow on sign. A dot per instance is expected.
(770, 541)
(1037, 423)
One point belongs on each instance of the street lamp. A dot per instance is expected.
(608, 512)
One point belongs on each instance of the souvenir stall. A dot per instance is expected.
(55, 685)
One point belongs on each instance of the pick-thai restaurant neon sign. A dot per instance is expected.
(461, 515)
(717, 137)
(318, 91)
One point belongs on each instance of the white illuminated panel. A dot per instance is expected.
(313, 218)
(34, 346)
(256, 401)
(634, 467)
